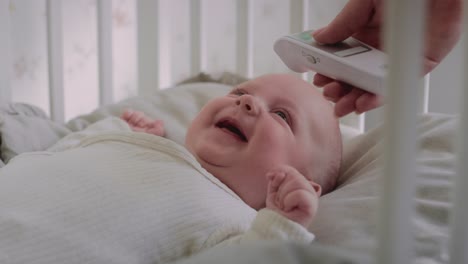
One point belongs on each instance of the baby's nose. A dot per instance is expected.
(248, 104)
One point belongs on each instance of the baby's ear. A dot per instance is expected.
(317, 187)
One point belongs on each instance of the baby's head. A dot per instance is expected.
(269, 121)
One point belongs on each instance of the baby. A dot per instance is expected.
(273, 140)
(252, 168)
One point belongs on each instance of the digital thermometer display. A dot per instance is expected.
(346, 48)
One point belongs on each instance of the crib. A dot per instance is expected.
(93, 53)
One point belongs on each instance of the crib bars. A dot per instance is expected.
(104, 9)
(403, 42)
(55, 53)
(5, 52)
(459, 242)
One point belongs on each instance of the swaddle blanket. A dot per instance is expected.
(121, 197)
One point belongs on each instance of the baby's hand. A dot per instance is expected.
(139, 122)
(292, 195)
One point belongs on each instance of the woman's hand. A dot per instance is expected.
(363, 20)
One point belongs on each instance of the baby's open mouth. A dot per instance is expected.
(232, 127)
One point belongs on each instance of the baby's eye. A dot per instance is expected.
(282, 114)
(238, 92)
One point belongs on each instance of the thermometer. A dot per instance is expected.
(349, 61)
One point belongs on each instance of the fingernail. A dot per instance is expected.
(316, 33)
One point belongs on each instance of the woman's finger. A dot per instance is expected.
(368, 101)
(336, 90)
(321, 80)
(347, 103)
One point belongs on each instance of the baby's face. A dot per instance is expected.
(263, 123)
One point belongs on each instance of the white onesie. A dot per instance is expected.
(122, 197)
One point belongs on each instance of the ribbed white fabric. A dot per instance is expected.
(122, 197)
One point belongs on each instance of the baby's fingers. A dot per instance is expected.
(299, 199)
(156, 128)
(275, 181)
(126, 114)
(144, 121)
(291, 185)
(134, 117)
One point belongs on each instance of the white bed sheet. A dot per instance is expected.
(347, 216)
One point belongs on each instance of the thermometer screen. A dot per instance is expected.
(347, 48)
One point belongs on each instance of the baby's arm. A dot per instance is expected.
(139, 122)
(291, 205)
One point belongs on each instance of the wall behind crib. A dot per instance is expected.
(29, 79)
(270, 20)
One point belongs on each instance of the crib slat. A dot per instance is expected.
(5, 49)
(425, 94)
(403, 42)
(244, 38)
(198, 52)
(459, 237)
(148, 46)
(104, 9)
(55, 54)
(299, 20)
(219, 21)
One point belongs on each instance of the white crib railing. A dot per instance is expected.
(148, 46)
(197, 37)
(459, 236)
(55, 52)
(404, 44)
(5, 52)
(244, 38)
(104, 9)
